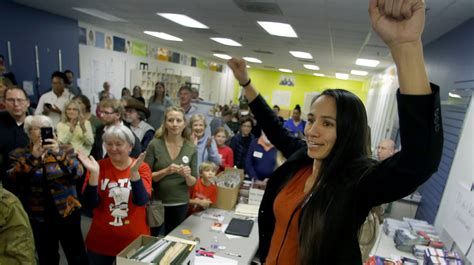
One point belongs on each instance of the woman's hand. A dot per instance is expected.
(134, 175)
(51, 144)
(185, 171)
(173, 168)
(398, 22)
(194, 138)
(136, 164)
(239, 68)
(91, 165)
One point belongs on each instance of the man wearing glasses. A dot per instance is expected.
(111, 113)
(12, 134)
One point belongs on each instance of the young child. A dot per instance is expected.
(205, 191)
(227, 155)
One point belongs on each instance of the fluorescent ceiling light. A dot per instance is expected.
(311, 67)
(248, 66)
(285, 70)
(318, 74)
(278, 29)
(357, 72)
(162, 35)
(99, 14)
(302, 55)
(342, 76)
(183, 20)
(226, 41)
(252, 60)
(367, 62)
(222, 56)
(454, 95)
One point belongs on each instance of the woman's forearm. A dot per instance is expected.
(190, 180)
(158, 175)
(412, 76)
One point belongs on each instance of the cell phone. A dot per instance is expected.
(46, 133)
(47, 105)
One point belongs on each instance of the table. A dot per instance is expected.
(385, 247)
(201, 227)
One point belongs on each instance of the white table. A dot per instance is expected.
(385, 247)
(201, 227)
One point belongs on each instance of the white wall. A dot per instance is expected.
(98, 65)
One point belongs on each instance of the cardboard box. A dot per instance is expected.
(255, 196)
(122, 257)
(227, 197)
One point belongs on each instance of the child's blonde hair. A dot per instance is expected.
(206, 166)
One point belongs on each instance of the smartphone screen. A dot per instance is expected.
(46, 133)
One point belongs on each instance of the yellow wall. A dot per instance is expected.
(267, 81)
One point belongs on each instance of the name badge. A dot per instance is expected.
(257, 154)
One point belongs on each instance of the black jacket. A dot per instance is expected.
(394, 178)
(12, 136)
(240, 147)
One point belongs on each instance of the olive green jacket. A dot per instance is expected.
(17, 244)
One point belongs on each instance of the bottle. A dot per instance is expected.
(215, 243)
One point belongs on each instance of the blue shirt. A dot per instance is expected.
(295, 130)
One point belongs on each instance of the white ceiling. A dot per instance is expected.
(335, 32)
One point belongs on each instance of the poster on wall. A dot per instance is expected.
(83, 36)
(174, 57)
(163, 54)
(99, 39)
(139, 49)
(202, 64)
(109, 45)
(91, 38)
(184, 59)
(281, 98)
(152, 52)
(286, 80)
(119, 44)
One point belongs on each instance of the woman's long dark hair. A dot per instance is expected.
(155, 95)
(349, 151)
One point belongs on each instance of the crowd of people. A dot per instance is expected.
(132, 159)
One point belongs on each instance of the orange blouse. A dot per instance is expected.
(284, 245)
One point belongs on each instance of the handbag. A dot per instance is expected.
(155, 213)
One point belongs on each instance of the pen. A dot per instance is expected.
(233, 254)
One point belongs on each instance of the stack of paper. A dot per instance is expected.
(391, 225)
(247, 210)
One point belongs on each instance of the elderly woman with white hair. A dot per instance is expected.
(74, 129)
(205, 143)
(117, 188)
(46, 175)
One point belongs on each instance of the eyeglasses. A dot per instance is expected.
(15, 100)
(107, 112)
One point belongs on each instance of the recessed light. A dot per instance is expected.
(99, 14)
(248, 66)
(163, 36)
(183, 20)
(278, 29)
(285, 70)
(311, 67)
(367, 62)
(318, 74)
(342, 76)
(252, 60)
(302, 55)
(222, 56)
(226, 41)
(454, 95)
(361, 73)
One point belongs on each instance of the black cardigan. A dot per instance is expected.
(394, 178)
